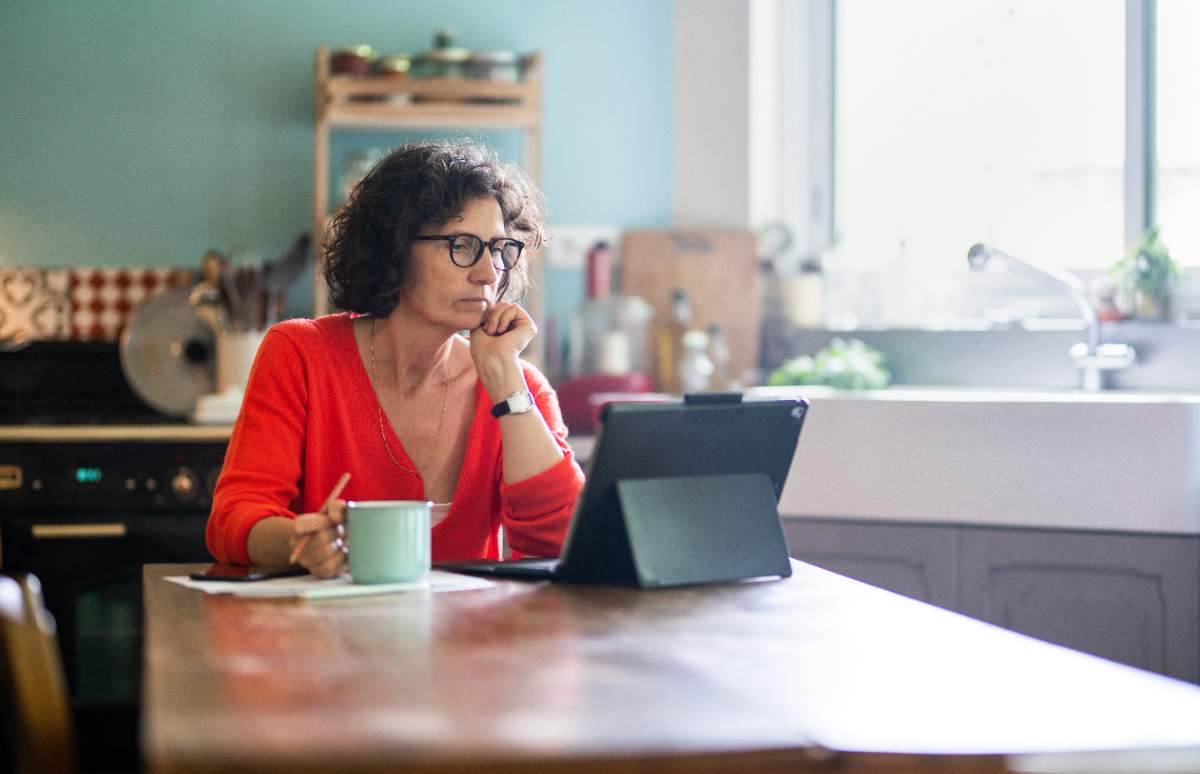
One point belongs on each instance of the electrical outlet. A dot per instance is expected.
(568, 245)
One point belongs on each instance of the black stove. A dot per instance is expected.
(94, 484)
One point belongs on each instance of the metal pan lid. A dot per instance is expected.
(167, 353)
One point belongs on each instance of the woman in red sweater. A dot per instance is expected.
(431, 243)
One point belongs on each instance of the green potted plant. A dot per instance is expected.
(1147, 276)
(845, 365)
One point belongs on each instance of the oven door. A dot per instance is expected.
(90, 569)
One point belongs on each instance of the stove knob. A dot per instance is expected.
(184, 484)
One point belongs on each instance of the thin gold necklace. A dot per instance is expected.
(379, 406)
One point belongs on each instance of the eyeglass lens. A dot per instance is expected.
(466, 250)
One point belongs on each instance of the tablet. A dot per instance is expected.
(682, 492)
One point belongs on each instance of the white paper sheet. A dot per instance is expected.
(309, 587)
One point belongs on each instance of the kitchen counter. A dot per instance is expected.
(81, 433)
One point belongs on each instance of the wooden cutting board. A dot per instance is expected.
(719, 270)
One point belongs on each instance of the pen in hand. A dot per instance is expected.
(329, 501)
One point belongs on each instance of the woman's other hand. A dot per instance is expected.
(322, 536)
(502, 335)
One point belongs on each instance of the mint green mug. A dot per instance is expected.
(388, 540)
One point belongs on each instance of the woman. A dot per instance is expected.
(431, 243)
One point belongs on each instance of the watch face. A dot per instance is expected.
(519, 404)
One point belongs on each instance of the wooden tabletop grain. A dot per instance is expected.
(816, 672)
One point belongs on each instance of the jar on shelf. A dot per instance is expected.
(393, 65)
(502, 66)
(352, 60)
(444, 60)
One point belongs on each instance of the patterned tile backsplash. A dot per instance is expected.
(78, 304)
(34, 303)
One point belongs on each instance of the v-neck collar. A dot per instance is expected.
(375, 408)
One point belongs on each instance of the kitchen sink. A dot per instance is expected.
(1126, 461)
(1034, 356)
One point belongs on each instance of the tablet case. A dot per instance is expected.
(702, 529)
(682, 530)
(685, 494)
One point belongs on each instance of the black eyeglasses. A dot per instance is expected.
(467, 249)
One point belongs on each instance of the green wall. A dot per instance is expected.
(141, 133)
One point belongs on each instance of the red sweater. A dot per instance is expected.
(310, 414)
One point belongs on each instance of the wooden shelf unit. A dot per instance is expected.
(403, 102)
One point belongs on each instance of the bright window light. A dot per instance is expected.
(1178, 135)
(999, 121)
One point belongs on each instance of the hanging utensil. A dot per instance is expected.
(279, 275)
(206, 296)
(248, 281)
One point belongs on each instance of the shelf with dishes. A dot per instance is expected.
(405, 100)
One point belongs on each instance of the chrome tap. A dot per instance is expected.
(1090, 357)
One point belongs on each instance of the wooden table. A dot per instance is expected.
(740, 677)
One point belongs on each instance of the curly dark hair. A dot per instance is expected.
(420, 185)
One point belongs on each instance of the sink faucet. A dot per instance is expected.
(1091, 358)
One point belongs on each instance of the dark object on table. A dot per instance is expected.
(240, 573)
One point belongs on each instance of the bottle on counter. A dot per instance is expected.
(695, 370)
(607, 347)
(670, 341)
(608, 333)
(718, 353)
(804, 295)
(776, 333)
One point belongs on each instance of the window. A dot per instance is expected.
(1001, 121)
(1178, 124)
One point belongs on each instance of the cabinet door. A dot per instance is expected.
(1129, 598)
(916, 561)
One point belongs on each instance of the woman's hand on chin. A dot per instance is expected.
(502, 335)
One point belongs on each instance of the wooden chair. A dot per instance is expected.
(34, 686)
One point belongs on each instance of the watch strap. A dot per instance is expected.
(517, 403)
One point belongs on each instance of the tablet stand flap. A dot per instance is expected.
(701, 529)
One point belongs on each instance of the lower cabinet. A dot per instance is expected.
(915, 561)
(1131, 598)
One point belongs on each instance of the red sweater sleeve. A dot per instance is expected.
(535, 512)
(264, 459)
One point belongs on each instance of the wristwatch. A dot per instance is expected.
(517, 403)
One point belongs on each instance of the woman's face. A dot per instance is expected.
(445, 293)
